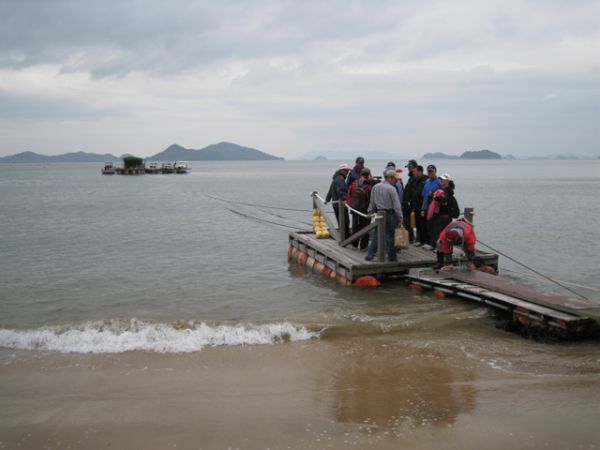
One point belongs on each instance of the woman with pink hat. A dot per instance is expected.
(444, 206)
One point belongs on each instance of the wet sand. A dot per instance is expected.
(350, 392)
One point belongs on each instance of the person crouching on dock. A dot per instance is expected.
(458, 232)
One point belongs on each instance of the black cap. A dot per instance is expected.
(411, 163)
(360, 160)
(365, 172)
(431, 167)
(391, 163)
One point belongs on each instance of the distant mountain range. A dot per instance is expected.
(226, 151)
(30, 157)
(480, 154)
(223, 151)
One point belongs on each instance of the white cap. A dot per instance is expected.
(445, 176)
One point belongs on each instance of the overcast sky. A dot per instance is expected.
(291, 77)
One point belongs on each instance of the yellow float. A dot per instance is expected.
(319, 225)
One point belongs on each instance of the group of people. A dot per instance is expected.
(427, 197)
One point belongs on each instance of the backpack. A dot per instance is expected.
(359, 199)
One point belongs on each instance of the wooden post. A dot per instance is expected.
(342, 219)
(469, 213)
(381, 236)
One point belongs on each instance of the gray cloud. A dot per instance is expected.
(114, 37)
(427, 75)
(21, 107)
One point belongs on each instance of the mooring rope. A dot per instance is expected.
(533, 270)
(256, 205)
(258, 219)
(525, 274)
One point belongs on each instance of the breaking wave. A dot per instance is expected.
(118, 336)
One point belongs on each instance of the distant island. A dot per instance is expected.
(438, 155)
(348, 155)
(31, 157)
(223, 151)
(480, 154)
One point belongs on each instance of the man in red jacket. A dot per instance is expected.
(458, 232)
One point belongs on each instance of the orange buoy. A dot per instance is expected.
(290, 252)
(367, 281)
(326, 271)
(301, 258)
(318, 267)
(415, 286)
(439, 294)
(487, 269)
(333, 274)
(342, 280)
(310, 262)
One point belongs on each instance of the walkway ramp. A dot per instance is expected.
(569, 316)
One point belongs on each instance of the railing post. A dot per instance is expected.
(469, 213)
(342, 219)
(381, 236)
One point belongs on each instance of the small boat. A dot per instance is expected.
(152, 167)
(109, 168)
(167, 167)
(182, 167)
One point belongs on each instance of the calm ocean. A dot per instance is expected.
(105, 264)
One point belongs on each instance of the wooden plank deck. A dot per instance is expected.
(569, 315)
(566, 303)
(351, 264)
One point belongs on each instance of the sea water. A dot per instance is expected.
(175, 263)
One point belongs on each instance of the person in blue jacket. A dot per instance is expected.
(432, 183)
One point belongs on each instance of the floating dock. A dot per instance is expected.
(348, 263)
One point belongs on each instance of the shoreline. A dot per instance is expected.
(355, 392)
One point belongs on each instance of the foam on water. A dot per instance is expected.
(124, 336)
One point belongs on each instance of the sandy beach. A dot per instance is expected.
(336, 393)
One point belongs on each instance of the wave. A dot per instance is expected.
(118, 336)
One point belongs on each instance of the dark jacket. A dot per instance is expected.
(413, 193)
(354, 174)
(449, 208)
(337, 189)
